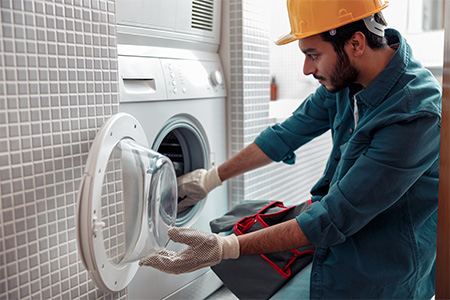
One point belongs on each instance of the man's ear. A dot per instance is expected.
(357, 44)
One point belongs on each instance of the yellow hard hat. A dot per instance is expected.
(310, 17)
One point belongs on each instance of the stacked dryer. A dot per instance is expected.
(171, 81)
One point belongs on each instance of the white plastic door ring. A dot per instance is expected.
(126, 203)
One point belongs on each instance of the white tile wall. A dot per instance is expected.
(249, 71)
(249, 66)
(58, 85)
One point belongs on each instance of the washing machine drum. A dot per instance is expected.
(126, 203)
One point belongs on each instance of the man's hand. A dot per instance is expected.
(194, 186)
(205, 249)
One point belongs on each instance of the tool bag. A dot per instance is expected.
(260, 276)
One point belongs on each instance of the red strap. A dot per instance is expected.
(243, 225)
(286, 271)
(246, 223)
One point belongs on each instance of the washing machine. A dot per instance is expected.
(171, 122)
(178, 97)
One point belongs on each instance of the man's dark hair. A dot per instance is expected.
(344, 33)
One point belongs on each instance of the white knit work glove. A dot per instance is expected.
(205, 250)
(194, 186)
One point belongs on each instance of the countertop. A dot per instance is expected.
(283, 108)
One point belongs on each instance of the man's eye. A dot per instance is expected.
(312, 56)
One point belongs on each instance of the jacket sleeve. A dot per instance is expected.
(310, 120)
(397, 156)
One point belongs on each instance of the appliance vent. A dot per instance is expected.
(202, 14)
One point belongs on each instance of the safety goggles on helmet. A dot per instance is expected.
(310, 17)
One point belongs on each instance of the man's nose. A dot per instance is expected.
(308, 67)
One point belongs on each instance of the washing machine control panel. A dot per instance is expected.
(144, 78)
(192, 79)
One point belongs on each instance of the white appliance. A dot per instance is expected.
(171, 81)
(172, 121)
(187, 24)
(178, 96)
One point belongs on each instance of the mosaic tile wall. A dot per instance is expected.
(248, 72)
(58, 74)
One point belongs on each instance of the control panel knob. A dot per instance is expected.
(216, 77)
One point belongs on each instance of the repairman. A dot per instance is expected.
(374, 211)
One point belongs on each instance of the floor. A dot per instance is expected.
(222, 294)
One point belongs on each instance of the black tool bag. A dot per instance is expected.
(260, 276)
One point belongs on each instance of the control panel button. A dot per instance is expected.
(216, 77)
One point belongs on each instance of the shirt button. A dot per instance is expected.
(315, 277)
(350, 130)
(337, 158)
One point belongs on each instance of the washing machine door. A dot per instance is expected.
(126, 203)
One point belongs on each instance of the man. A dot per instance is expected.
(374, 211)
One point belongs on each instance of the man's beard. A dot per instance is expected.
(343, 75)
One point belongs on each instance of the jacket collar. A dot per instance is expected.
(377, 90)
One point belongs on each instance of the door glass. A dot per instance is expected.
(150, 198)
(112, 209)
(139, 201)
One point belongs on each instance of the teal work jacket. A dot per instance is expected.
(374, 211)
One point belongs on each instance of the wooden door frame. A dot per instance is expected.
(443, 227)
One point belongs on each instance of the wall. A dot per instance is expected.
(286, 61)
(58, 74)
(409, 17)
(246, 69)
